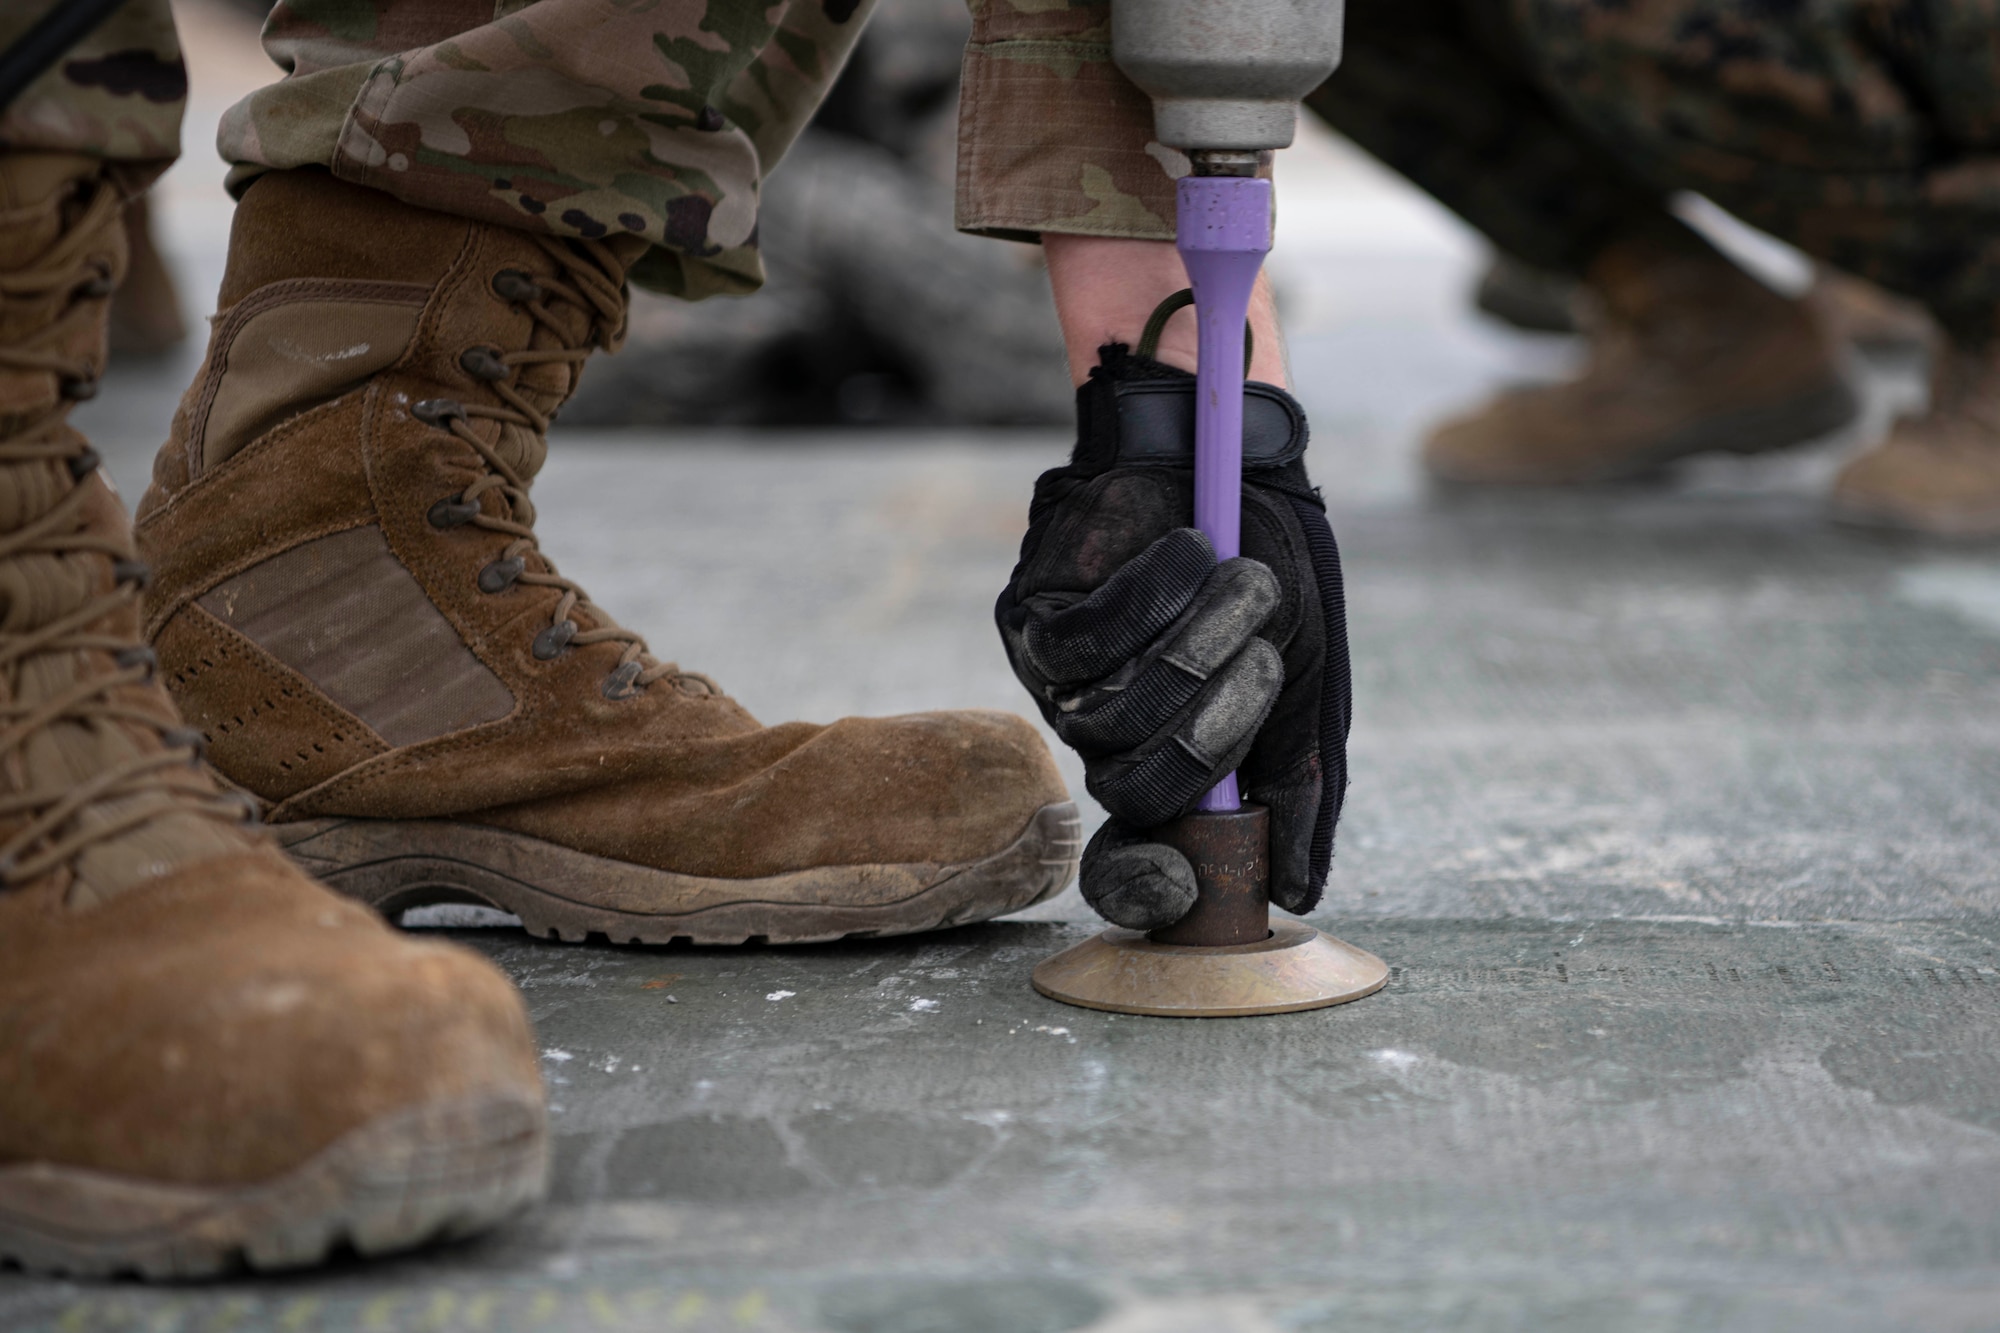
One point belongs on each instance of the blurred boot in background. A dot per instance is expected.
(1689, 355)
(1859, 313)
(1869, 318)
(1561, 129)
(1938, 473)
(876, 309)
(1534, 300)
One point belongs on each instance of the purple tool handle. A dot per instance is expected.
(1223, 231)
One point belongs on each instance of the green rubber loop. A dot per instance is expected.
(1156, 324)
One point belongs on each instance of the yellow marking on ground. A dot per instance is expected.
(376, 1313)
(299, 1313)
(479, 1311)
(231, 1314)
(444, 1305)
(602, 1309)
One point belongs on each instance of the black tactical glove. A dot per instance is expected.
(1166, 670)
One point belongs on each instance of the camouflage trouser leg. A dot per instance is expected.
(577, 117)
(1866, 132)
(118, 95)
(1053, 138)
(1439, 90)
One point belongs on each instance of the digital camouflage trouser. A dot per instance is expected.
(1866, 132)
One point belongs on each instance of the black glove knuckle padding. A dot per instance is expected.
(1165, 670)
(1133, 882)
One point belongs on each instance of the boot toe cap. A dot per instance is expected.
(233, 1052)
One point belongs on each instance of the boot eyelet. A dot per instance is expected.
(619, 684)
(83, 464)
(139, 656)
(483, 363)
(515, 287)
(499, 575)
(437, 411)
(135, 572)
(453, 512)
(186, 738)
(78, 390)
(549, 644)
(97, 287)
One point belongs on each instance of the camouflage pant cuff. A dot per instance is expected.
(117, 95)
(1052, 138)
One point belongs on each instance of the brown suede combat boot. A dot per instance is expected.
(351, 606)
(1688, 355)
(205, 1058)
(1937, 474)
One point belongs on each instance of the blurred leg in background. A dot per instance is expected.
(1863, 134)
(1867, 135)
(1688, 352)
(876, 310)
(211, 1059)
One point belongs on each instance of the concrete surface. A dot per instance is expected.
(1674, 808)
(1538, 1125)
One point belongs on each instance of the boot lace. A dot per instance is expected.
(122, 795)
(56, 823)
(589, 289)
(66, 266)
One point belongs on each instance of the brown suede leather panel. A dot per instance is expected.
(343, 612)
(267, 726)
(341, 239)
(224, 1023)
(939, 788)
(293, 484)
(292, 346)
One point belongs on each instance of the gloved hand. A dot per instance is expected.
(1166, 670)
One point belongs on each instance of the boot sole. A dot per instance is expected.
(395, 864)
(1754, 430)
(431, 1172)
